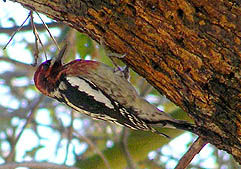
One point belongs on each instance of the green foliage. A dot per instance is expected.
(85, 45)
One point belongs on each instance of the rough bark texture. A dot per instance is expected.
(190, 50)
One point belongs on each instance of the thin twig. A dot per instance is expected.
(33, 107)
(28, 27)
(46, 27)
(94, 147)
(37, 165)
(17, 63)
(195, 148)
(14, 33)
(37, 39)
(130, 163)
(36, 52)
(63, 134)
(70, 134)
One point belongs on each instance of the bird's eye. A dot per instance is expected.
(46, 65)
(45, 79)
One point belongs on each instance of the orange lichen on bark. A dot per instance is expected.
(239, 126)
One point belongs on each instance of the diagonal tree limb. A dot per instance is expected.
(195, 148)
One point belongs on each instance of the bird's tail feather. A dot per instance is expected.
(183, 125)
(178, 124)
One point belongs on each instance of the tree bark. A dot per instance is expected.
(189, 50)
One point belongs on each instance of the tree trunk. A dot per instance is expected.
(189, 50)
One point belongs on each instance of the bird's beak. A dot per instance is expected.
(60, 56)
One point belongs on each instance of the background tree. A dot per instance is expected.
(188, 50)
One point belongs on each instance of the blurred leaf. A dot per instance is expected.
(169, 106)
(84, 45)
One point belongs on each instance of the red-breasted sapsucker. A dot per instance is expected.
(97, 90)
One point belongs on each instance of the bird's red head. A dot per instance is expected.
(45, 76)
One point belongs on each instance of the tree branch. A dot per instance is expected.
(28, 27)
(36, 165)
(195, 148)
(17, 63)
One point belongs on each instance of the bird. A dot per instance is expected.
(95, 89)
